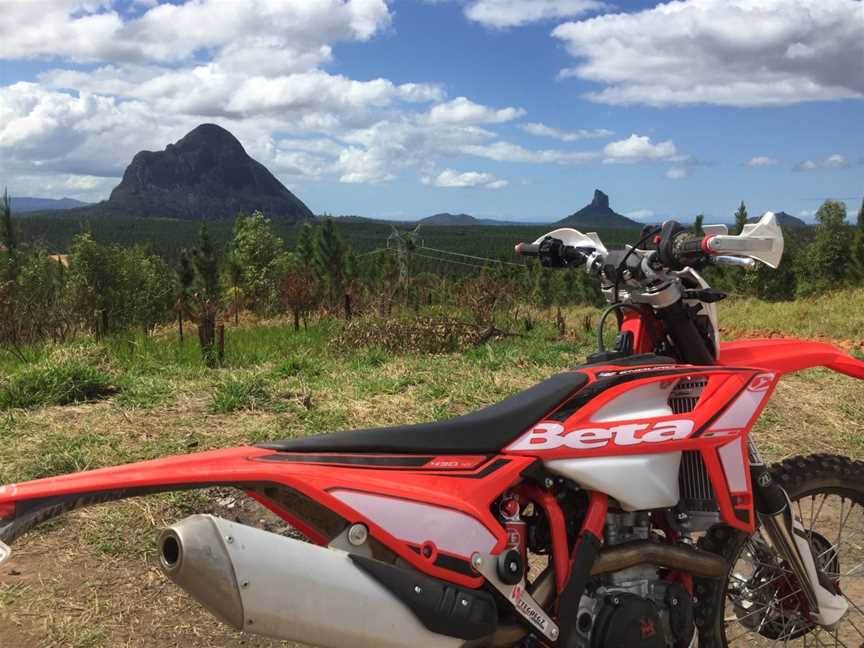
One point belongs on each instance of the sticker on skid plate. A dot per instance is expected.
(5, 552)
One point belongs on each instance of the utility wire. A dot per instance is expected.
(376, 251)
(471, 256)
(439, 259)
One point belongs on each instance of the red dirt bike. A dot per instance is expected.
(618, 504)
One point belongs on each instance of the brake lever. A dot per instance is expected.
(739, 262)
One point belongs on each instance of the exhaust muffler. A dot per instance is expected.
(275, 586)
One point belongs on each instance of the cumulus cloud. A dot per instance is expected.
(509, 152)
(501, 14)
(726, 52)
(450, 178)
(835, 161)
(274, 30)
(640, 148)
(542, 130)
(464, 111)
(677, 173)
(762, 161)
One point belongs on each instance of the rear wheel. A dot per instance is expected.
(759, 603)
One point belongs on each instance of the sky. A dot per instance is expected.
(512, 109)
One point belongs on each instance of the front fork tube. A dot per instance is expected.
(791, 541)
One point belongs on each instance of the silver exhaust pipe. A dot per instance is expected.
(275, 586)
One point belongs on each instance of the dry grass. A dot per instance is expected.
(90, 580)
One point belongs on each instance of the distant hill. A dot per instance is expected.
(206, 175)
(783, 220)
(598, 214)
(449, 219)
(22, 204)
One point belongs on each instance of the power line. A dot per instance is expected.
(376, 251)
(471, 256)
(439, 259)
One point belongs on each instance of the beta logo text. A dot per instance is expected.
(550, 436)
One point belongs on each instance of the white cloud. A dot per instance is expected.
(92, 30)
(450, 178)
(513, 13)
(762, 161)
(641, 215)
(835, 161)
(464, 111)
(639, 148)
(542, 130)
(509, 152)
(727, 52)
(677, 173)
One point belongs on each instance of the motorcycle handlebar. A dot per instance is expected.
(553, 253)
(527, 249)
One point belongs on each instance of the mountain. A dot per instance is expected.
(598, 214)
(24, 204)
(784, 220)
(205, 175)
(450, 219)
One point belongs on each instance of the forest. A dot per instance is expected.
(117, 276)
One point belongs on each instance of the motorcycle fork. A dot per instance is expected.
(790, 539)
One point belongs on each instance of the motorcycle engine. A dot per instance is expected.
(635, 607)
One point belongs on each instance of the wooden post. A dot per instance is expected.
(221, 344)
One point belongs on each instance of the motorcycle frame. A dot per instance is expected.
(307, 491)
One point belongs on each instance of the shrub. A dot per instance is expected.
(55, 384)
(241, 393)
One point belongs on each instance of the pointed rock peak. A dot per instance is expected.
(600, 200)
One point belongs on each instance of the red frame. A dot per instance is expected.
(463, 485)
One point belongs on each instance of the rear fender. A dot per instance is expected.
(788, 356)
(406, 503)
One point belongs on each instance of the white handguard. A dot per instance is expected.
(762, 241)
(575, 238)
(5, 553)
(832, 607)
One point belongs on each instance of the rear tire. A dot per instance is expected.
(754, 605)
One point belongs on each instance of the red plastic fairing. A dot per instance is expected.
(388, 501)
(787, 356)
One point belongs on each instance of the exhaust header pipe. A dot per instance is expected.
(275, 586)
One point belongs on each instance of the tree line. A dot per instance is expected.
(104, 289)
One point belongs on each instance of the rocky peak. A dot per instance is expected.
(600, 200)
(206, 174)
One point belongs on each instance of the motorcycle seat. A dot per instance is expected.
(485, 431)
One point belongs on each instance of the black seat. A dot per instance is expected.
(483, 432)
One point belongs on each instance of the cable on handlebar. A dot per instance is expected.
(601, 345)
(651, 232)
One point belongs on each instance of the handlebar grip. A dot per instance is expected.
(527, 249)
(692, 245)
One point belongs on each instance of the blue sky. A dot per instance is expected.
(515, 109)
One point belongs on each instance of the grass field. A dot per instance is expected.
(90, 579)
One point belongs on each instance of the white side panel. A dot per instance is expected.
(732, 458)
(451, 531)
(638, 482)
(738, 415)
(643, 402)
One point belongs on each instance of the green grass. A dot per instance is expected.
(237, 393)
(55, 384)
(837, 316)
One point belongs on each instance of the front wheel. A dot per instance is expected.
(759, 603)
